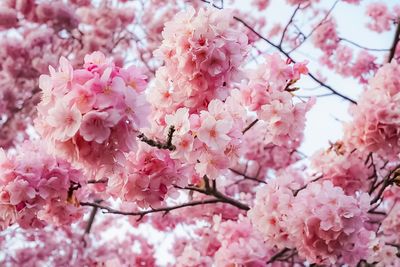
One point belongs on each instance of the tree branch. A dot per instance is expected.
(213, 191)
(288, 24)
(387, 181)
(161, 145)
(91, 217)
(247, 177)
(278, 255)
(395, 42)
(361, 46)
(106, 209)
(249, 126)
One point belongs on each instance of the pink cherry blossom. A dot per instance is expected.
(214, 132)
(375, 121)
(271, 212)
(380, 16)
(92, 110)
(64, 121)
(35, 189)
(326, 219)
(96, 126)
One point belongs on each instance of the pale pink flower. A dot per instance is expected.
(63, 77)
(381, 17)
(82, 97)
(96, 125)
(65, 121)
(180, 121)
(261, 4)
(271, 211)
(214, 132)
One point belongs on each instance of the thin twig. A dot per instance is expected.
(249, 126)
(278, 255)
(387, 181)
(288, 24)
(247, 177)
(363, 47)
(161, 145)
(91, 217)
(213, 191)
(395, 42)
(106, 209)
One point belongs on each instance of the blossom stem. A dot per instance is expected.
(161, 145)
(395, 41)
(249, 126)
(277, 255)
(247, 177)
(142, 213)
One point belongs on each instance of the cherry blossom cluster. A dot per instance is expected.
(202, 55)
(340, 57)
(92, 114)
(258, 149)
(345, 169)
(381, 17)
(240, 244)
(35, 34)
(375, 123)
(268, 94)
(37, 188)
(227, 243)
(210, 140)
(324, 224)
(65, 246)
(272, 209)
(209, 154)
(148, 177)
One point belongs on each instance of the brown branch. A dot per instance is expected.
(106, 209)
(278, 255)
(213, 191)
(387, 181)
(295, 192)
(395, 41)
(249, 126)
(247, 177)
(91, 220)
(101, 181)
(288, 24)
(363, 47)
(161, 145)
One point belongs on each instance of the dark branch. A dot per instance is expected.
(213, 191)
(101, 181)
(363, 47)
(161, 145)
(295, 192)
(106, 209)
(395, 41)
(278, 255)
(91, 220)
(249, 126)
(247, 177)
(288, 24)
